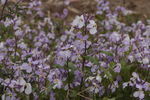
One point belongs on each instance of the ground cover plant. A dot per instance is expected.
(103, 55)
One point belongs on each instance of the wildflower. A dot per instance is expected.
(125, 85)
(139, 94)
(26, 67)
(131, 58)
(135, 75)
(19, 32)
(90, 78)
(1, 45)
(126, 40)
(92, 27)
(3, 97)
(28, 89)
(58, 84)
(94, 88)
(78, 21)
(65, 54)
(117, 68)
(98, 78)
(145, 60)
(115, 37)
(23, 84)
(8, 22)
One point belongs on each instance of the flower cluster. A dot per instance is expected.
(96, 56)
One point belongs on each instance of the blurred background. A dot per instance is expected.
(80, 6)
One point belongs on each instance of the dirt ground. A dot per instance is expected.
(80, 6)
(139, 6)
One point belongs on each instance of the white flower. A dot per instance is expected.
(28, 89)
(145, 60)
(19, 32)
(3, 97)
(138, 55)
(139, 94)
(1, 45)
(21, 82)
(98, 78)
(135, 75)
(131, 58)
(63, 38)
(89, 78)
(94, 89)
(58, 84)
(127, 12)
(8, 22)
(78, 21)
(125, 85)
(92, 27)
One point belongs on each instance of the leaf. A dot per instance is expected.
(57, 66)
(126, 70)
(99, 17)
(112, 64)
(92, 59)
(74, 93)
(108, 74)
(107, 53)
(71, 66)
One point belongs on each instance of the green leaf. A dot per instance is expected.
(108, 74)
(94, 60)
(107, 53)
(100, 17)
(112, 64)
(57, 66)
(73, 94)
(71, 66)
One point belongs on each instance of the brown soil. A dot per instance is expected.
(139, 6)
(80, 6)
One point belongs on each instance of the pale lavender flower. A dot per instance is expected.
(92, 27)
(26, 67)
(57, 84)
(145, 60)
(139, 94)
(28, 89)
(115, 37)
(117, 68)
(78, 21)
